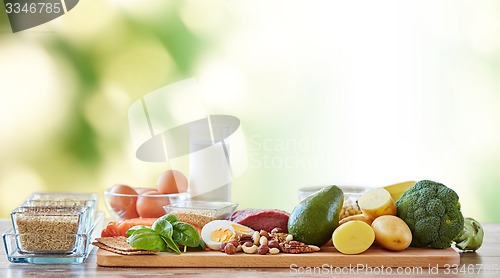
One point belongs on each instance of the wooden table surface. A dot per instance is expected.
(483, 263)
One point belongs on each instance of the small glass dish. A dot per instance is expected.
(199, 213)
(49, 229)
(77, 255)
(70, 205)
(351, 195)
(63, 199)
(63, 196)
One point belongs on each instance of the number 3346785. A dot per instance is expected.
(33, 8)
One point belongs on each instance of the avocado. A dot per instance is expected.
(315, 218)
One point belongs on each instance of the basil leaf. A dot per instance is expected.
(171, 218)
(200, 247)
(185, 234)
(163, 227)
(133, 229)
(146, 238)
(172, 246)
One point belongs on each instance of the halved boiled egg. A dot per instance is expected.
(218, 231)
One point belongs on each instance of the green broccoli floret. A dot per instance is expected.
(432, 212)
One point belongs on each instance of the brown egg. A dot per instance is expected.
(141, 191)
(150, 204)
(172, 182)
(123, 201)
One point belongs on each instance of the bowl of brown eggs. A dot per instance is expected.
(126, 202)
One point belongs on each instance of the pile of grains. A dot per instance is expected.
(196, 217)
(67, 202)
(43, 230)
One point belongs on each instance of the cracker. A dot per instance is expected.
(117, 251)
(119, 245)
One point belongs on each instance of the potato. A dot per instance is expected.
(360, 217)
(377, 202)
(391, 232)
(353, 237)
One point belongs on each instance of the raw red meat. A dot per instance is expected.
(262, 219)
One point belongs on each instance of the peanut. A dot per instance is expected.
(256, 237)
(349, 210)
(263, 240)
(274, 251)
(314, 248)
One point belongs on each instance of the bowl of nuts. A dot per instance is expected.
(351, 195)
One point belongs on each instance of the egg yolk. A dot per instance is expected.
(240, 229)
(221, 235)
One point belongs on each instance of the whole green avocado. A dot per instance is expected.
(315, 218)
(432, 212)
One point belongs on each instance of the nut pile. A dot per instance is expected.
(263, 243)
(349, 210)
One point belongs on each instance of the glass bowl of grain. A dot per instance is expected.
(49, 229)
(351, 196)
(199, 213)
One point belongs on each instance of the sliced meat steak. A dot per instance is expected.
(262, 219)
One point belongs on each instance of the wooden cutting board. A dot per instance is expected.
(373, 257)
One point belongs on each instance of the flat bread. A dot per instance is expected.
(119, 245)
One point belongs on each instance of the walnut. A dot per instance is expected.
(295, 247)
(279, 237)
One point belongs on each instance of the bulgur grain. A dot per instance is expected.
(48, 229)
(197, 218)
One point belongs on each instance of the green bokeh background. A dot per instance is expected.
(361, 93)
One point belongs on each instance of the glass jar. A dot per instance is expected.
(351, 196)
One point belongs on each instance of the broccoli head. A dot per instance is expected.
(432, 212)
